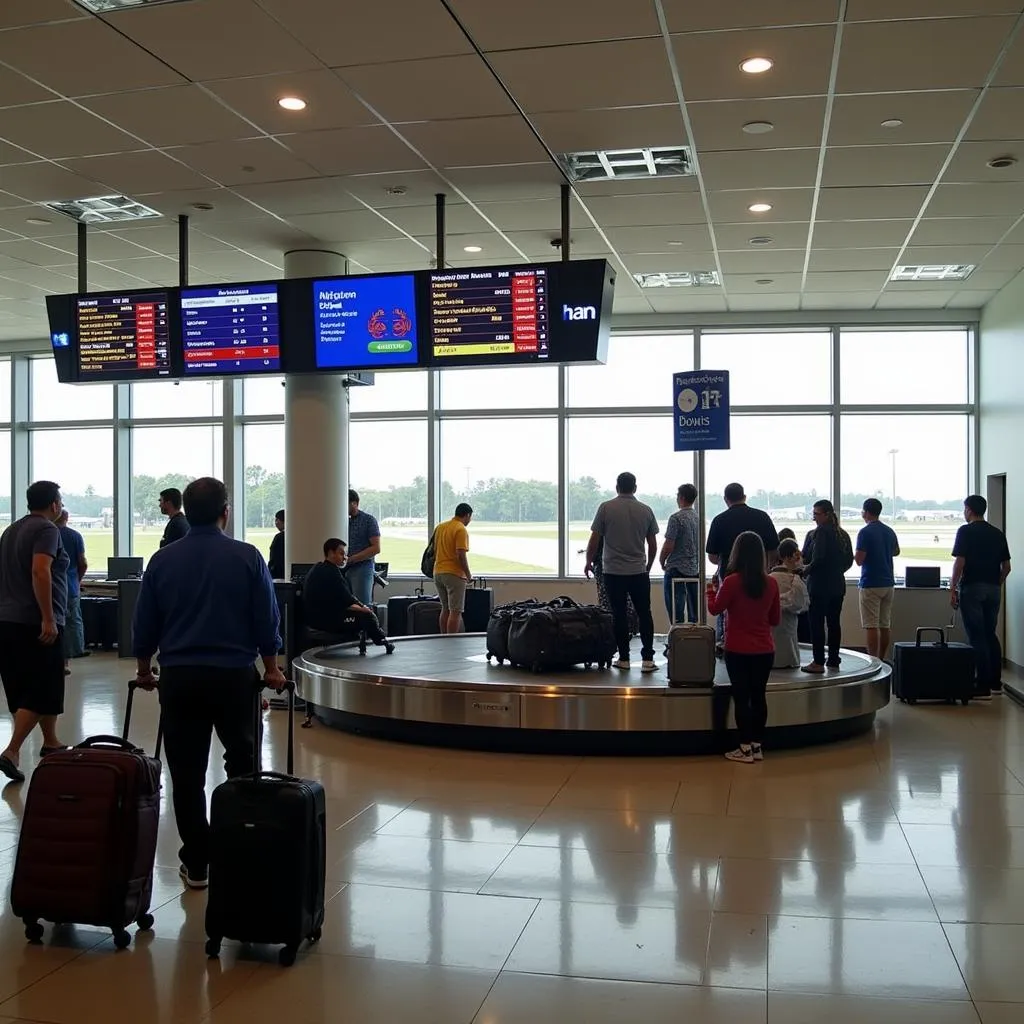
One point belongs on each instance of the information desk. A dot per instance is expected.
(442, 690)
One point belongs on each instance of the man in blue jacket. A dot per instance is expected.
(207, 604)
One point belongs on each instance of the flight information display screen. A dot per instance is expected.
(365, 323)
(231, 330)
(490, 312)
(123, 336)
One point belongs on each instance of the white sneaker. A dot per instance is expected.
(743, 754)
(622, 663)
(649, 665)
(755, 750)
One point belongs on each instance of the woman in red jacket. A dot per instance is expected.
(751, 598)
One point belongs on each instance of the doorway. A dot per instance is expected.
(996, 495)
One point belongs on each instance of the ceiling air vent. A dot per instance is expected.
(679, 279)
(603, 164)
(103, 209)
(106, 6)
(933, 272)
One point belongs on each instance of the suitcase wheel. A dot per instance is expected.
(488, 656)
(122, 939)
(213, 948)
(317, 935)
(33, 932)
(588, 665)
(287, 956)
(145, 922)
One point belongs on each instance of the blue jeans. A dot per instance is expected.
(74, 629)
(686, 597)
(979, 606)
(360, 581)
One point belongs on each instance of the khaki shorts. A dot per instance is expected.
(452, 591)
(876, 607)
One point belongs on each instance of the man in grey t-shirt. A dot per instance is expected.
(33, 604)
(679, 557)
(629, 531)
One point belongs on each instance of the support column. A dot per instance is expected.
(316, 416)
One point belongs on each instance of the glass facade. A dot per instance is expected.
(845, 412)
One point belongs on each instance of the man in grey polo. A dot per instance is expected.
(629, 530)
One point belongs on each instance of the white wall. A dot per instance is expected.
(1001, 380)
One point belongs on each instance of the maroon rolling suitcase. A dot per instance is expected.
(88, 837)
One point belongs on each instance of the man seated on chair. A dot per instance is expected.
(328, 603)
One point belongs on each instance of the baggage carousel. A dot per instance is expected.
(442, 690)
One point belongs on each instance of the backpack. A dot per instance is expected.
(429, 556)
(846, 547)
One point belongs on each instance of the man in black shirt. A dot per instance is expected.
(275, 562)
(328, 603)
(737, 518)
(177, 524)
(982, 564)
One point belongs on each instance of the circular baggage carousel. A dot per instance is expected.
(442, 690)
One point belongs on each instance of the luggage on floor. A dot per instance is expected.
(424, 618)
(691, 655)
(938, 670)
(498, 626)
(479, 605)
(99, 622)
(553, 637)
(88, 837)
(398, 612)
(268, 842)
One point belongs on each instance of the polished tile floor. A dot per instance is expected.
(879, 879)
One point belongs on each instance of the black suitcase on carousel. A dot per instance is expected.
(267, 821)
(560, 636)
(398, 613)
(937, 670)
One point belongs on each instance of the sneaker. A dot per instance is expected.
(755, 750)
(621, 663)
(193, 879)
(742, 754)
(649, 665)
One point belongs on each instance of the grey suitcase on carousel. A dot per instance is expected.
(424, 618)
(691, 655)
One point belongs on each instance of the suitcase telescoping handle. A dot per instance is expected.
(922, 630)
(257, 733)
(132, 687)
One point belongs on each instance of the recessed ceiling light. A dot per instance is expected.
(765, 280)
(761, 240)
(679, 279)
(759, 207)
(758, 127)
(472, 248)
(757, 65)
(38, 221)
(933, 272)
(892, 122)
(674, 242)
(292, 103)
(998, 163)
(395, 190)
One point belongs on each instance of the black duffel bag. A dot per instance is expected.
(560, 635)
(498, 626)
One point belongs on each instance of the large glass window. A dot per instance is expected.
(264, 481)
(395, 391)
(507, 469)
(82, 462)
(904, 367)
(52, 401)
(517, 387)
(394, 489)
(772, 368)
(189, 398)
(5, 390)
(918, 467)
(5, 478)
(638, 372)
(167, 457)
(263, 396)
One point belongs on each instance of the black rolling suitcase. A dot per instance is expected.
(479, 605)
(424, 618)
(398, 612)
(260, 820)
(932, 671)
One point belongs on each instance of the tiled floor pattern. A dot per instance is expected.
(881, 879)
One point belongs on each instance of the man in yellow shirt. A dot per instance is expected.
(451, 567)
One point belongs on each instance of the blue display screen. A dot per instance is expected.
(231, 330)
(365, 323)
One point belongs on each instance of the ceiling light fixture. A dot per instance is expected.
(761, 240)
(765, 280)
(102, 209)
(758, 127)
(759, 207)
(106, 6)
(933, 272)
(37, 221)
(756, 65)
(892, 122)
(472, 248)
(604, 164)
(679, 279)
(292, 103)
(395, 190)
(999, 163)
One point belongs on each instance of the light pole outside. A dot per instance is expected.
(893, 452)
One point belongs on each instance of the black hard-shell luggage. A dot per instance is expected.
(479, 605)
(99, 622)
(933, 671)
(88, 837)
(498, 626)
(267, 822)
(398, 612)
(562, 636)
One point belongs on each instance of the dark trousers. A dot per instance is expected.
(825, 614)
(687, 597)
(979, 606)
(638, 588)
(749, 674)
(360, 622)
(195, 703)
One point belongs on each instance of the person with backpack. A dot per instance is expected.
(750, 597)
(827, 554)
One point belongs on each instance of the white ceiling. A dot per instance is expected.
(175, 105)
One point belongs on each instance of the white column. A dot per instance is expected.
(316, 440)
